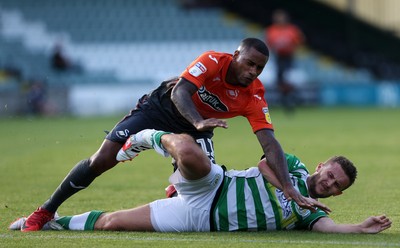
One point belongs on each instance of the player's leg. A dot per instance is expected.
(137, 219)
(207, 145)
(85, 171)
(193, 164)
(167, 215)
(80, 177)
(287, 90)
(189, 157)
(83, 174)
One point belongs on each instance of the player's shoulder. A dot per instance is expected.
(294, 163)
(217, 54)
(258, 84)
(257, 87)
(213, 61)
(216, 57)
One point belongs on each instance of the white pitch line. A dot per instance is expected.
(110, 237)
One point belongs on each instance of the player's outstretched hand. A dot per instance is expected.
(210, 124)
(376, 224)
(305, 202)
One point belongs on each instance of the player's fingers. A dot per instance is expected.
(387, 225)
(324, 208)
(385, 220)
(304, 203)
(313, 205)
(379, 219)
(222, 123)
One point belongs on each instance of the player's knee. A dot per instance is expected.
(103, 161)
(105, 157)
(187, 148)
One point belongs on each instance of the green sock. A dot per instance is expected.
(80, 222)
(64, 221)
(158, 147)
(93, 216)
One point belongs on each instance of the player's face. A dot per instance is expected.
(329, 179)
(247, 65)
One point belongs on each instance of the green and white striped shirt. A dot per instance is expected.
(249, 202)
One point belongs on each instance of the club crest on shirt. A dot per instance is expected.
(301, 211)
(232, 93)
(216, 79)
(267, 116)
(197, 69)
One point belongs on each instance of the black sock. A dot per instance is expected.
(77, 179)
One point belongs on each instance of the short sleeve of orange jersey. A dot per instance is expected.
(258, 113)
(202, 68)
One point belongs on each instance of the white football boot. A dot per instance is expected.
(141, 141)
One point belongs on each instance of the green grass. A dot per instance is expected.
(37, 153)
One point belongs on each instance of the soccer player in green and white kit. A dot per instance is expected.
(212, 199)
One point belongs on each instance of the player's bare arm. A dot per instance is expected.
(371, 225)
(276, 160)
(182, 98)
(269, 174)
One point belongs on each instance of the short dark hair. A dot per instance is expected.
(258, 44)
(347, 166)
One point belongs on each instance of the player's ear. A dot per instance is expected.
(319, 166)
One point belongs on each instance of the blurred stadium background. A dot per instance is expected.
(123, 48)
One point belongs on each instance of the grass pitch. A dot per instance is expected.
(36, 153)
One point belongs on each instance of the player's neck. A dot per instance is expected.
(229, 78)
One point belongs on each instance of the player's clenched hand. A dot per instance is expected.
(210, 124)
(305, 202)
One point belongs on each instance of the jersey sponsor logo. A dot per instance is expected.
(284, 203)
(213, 58)
(212, 100)
(267, 116)
(122, 133)
(197, 69)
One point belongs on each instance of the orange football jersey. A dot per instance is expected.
(216, 98)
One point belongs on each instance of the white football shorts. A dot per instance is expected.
(190, 210)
